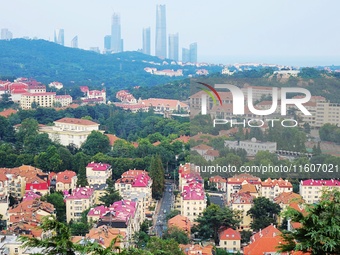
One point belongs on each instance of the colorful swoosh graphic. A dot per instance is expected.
(213, 90)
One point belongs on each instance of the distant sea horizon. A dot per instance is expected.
(303, 61)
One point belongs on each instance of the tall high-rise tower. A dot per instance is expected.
(116, 39)
(173, 46)
(146, 41)
(160, 31)
(74, 42)
(193, 52)
(59, 36)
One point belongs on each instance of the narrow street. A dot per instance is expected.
(163, 209)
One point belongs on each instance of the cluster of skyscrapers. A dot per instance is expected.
(163, 48)
(113, 43)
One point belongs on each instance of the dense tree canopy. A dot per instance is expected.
(263, 212)
(320, 230)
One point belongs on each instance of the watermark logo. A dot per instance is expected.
(239, 99)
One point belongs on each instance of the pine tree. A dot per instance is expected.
(157, 176)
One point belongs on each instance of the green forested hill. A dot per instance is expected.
(46, 61)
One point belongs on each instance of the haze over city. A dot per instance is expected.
(299, 33)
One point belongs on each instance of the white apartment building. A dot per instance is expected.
(311, 190)
(235, 183)
(273, 188)
(68, 131)
(252, 147)
(63, 100)
(193, 201)
(98, 173)
(136, 184)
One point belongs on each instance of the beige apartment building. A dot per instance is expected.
(78, 201)
(311, 190)
(64, 100)
(243, 202)
(327, 112)
(43, 99)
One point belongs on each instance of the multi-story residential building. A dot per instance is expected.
(258, 92)
(97, 94)
(43, 99)
(311, 190)
(252, 147)
(192, 199)
(327, 112)
(218, 182)
(235, 183)
(193, 202)
(78, 201)
(124, 215)
(25, 178)
(288, 199)
(3, 195)
(273, 188)
(161, 105)
(100, 190)
(125, 97)
(196, 100)
(98, 173)
(37, 88)
(230, 240)
(6, 34)
(69, 131)
(104, 236)
(136, 184)
(242, 202)
(65, 180)
(63, 100)
(30, 211)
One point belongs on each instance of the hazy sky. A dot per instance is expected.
(297, 32)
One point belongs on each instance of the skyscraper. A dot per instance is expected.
(107, 42)
(6, 34)
(59, 36)
(190, 55)
(74, 42)
(146, 41)
(185, 55)
(193, 52)
(173, 46)
(116, 39)
(160, 31)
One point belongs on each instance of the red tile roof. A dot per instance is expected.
(77, 121)
(8, 112)
(229, 234)
(264, 241)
